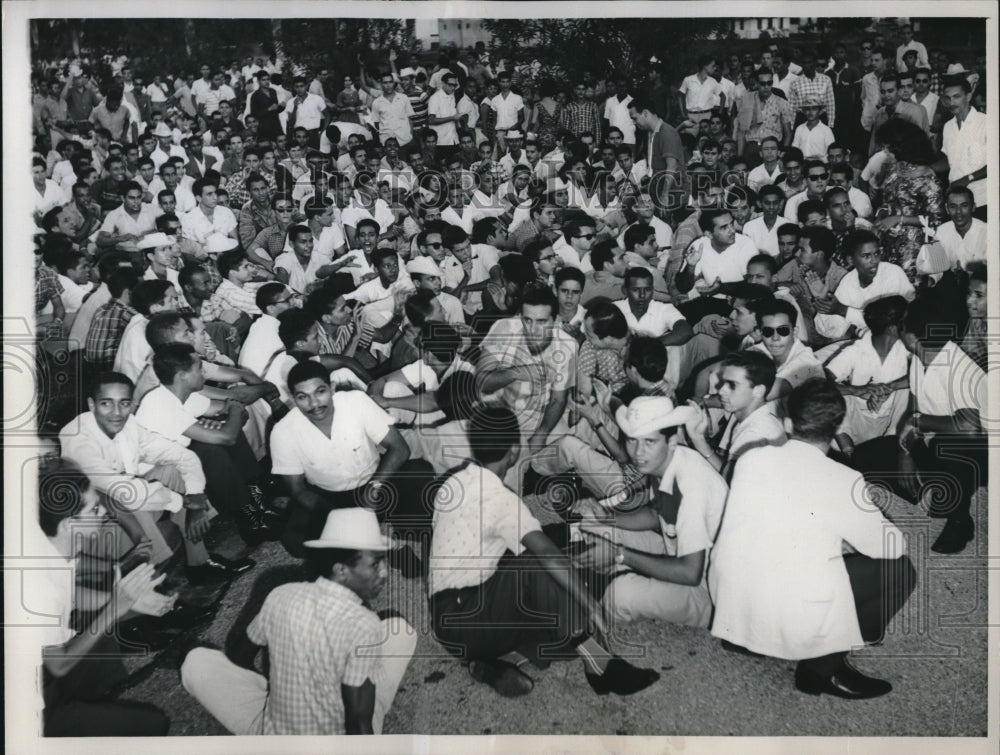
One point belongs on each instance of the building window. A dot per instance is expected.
(444, 27)
(742, 25)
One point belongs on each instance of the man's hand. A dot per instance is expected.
(817, 286)
(722, 328)
(885, 224)
(697, 427)
(600, 556)
(602, 394)
(909, 481)
(197, 525)
(244, 394)
(210, 424)
(135, 585)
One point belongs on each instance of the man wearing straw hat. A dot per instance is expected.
(335, 665)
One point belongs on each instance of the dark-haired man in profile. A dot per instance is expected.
(780, 580)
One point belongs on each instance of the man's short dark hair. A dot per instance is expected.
(229, 261)
(569, 274)
(171, 359)
(775, 306)
(816, 409)
(649, 358)
(492, 432)
(293, 326)
(706, 221)
(483, 228)
(540, 296)
(759, 368)
(602, 253)
(146, 293)
(367, 223)
(809, 207)
(441, 340)
(102, 379)
(766, 260)
(305, 370)
(533, 250)
(883, 312)
(161, 327)
(573, 225)
(637, 272)
(790, 229)
(120, 280)
(637, 233)
(820, 240)
(298, 230)
(606, 319)
(963, 191)
(857, 239)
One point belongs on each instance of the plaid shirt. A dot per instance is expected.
(772, 113)
(271, 240)
(319, 636)
(820, 87)
(252, 220)
(105, 334)
(499, 172)
(47, 286)
(937, 83)
(582, 118)
(236, 185)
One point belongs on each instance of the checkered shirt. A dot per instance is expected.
(582, 118)
(230, 296)
(271, 240)
(47, 286)
(819, 87)
(105, 334)
(319, 636)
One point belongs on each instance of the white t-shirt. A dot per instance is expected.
(963, 249)
(659, 319)
(616, 113)
(889, 280)
(765, 240)
(198, 227)
(728, 266)
(507, 109)
(967, 149)
(700, 95)
(344, 461)
(162, 412)
(300, 277)
(813, 141)
(310, 111)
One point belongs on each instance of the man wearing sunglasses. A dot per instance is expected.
(578, 238)
(817, 176)
(760, 114)
(794, 362)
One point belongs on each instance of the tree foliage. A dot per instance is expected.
(605, 44)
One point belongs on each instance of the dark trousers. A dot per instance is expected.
(408, 503)
(881, 587)
(954, 466)
(695, 309)
(980, 212)
(229, 470)
(519, 608)
(81, 704)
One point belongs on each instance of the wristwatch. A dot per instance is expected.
(620, 556)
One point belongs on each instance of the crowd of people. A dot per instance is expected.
(512, 335)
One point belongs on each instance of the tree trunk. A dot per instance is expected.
(189, 35)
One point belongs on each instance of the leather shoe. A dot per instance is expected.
(955, 536)
(186, 616)
(218, 568)
(139, 635)
(505, 679)
(846, 682)
(622, 678)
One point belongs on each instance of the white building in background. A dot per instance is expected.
(450, 32)
(751, 28)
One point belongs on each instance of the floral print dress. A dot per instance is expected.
(910, 190)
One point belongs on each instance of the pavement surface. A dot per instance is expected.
(934, 654)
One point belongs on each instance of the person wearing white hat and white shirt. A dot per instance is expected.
(660, 549)
(334, 664)
(780, 579)
(162, 252)
(165, 149)
(425, 273)
(515, 155)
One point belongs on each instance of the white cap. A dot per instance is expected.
(352, 528)
(647, 414)
(423, 266)
(155, 241)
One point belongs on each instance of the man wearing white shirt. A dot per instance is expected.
(770, 168)
(147, 298)
(817, 176)
(923, 95)
(170, 180)
(125, 225)
(306, 111)
(841, 176)
(208, 218)
(262, 341)
(74, 276)
(964, 236)
(965, 140)
(767, 603)
(909, 43)
(763, 230)
(208, 99)
(700, 92)
(508, 106)
(616, 111)
(391, 112)
(442, 112)
(719, 257)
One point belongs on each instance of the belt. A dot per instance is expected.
(698, 112)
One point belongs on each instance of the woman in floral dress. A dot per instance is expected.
(911, 192)
(547, 112)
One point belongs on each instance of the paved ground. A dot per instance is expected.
(935, 655)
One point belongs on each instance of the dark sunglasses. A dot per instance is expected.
(436, 245)
(587, 236)
(782, 330)
(818, 176)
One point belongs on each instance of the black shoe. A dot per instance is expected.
(186, 616)
(252, 527)
(217, 569)
(955, 536)
(139, 636)
(846, 681)
(732, 647)
(505, 679)
(622, 678)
